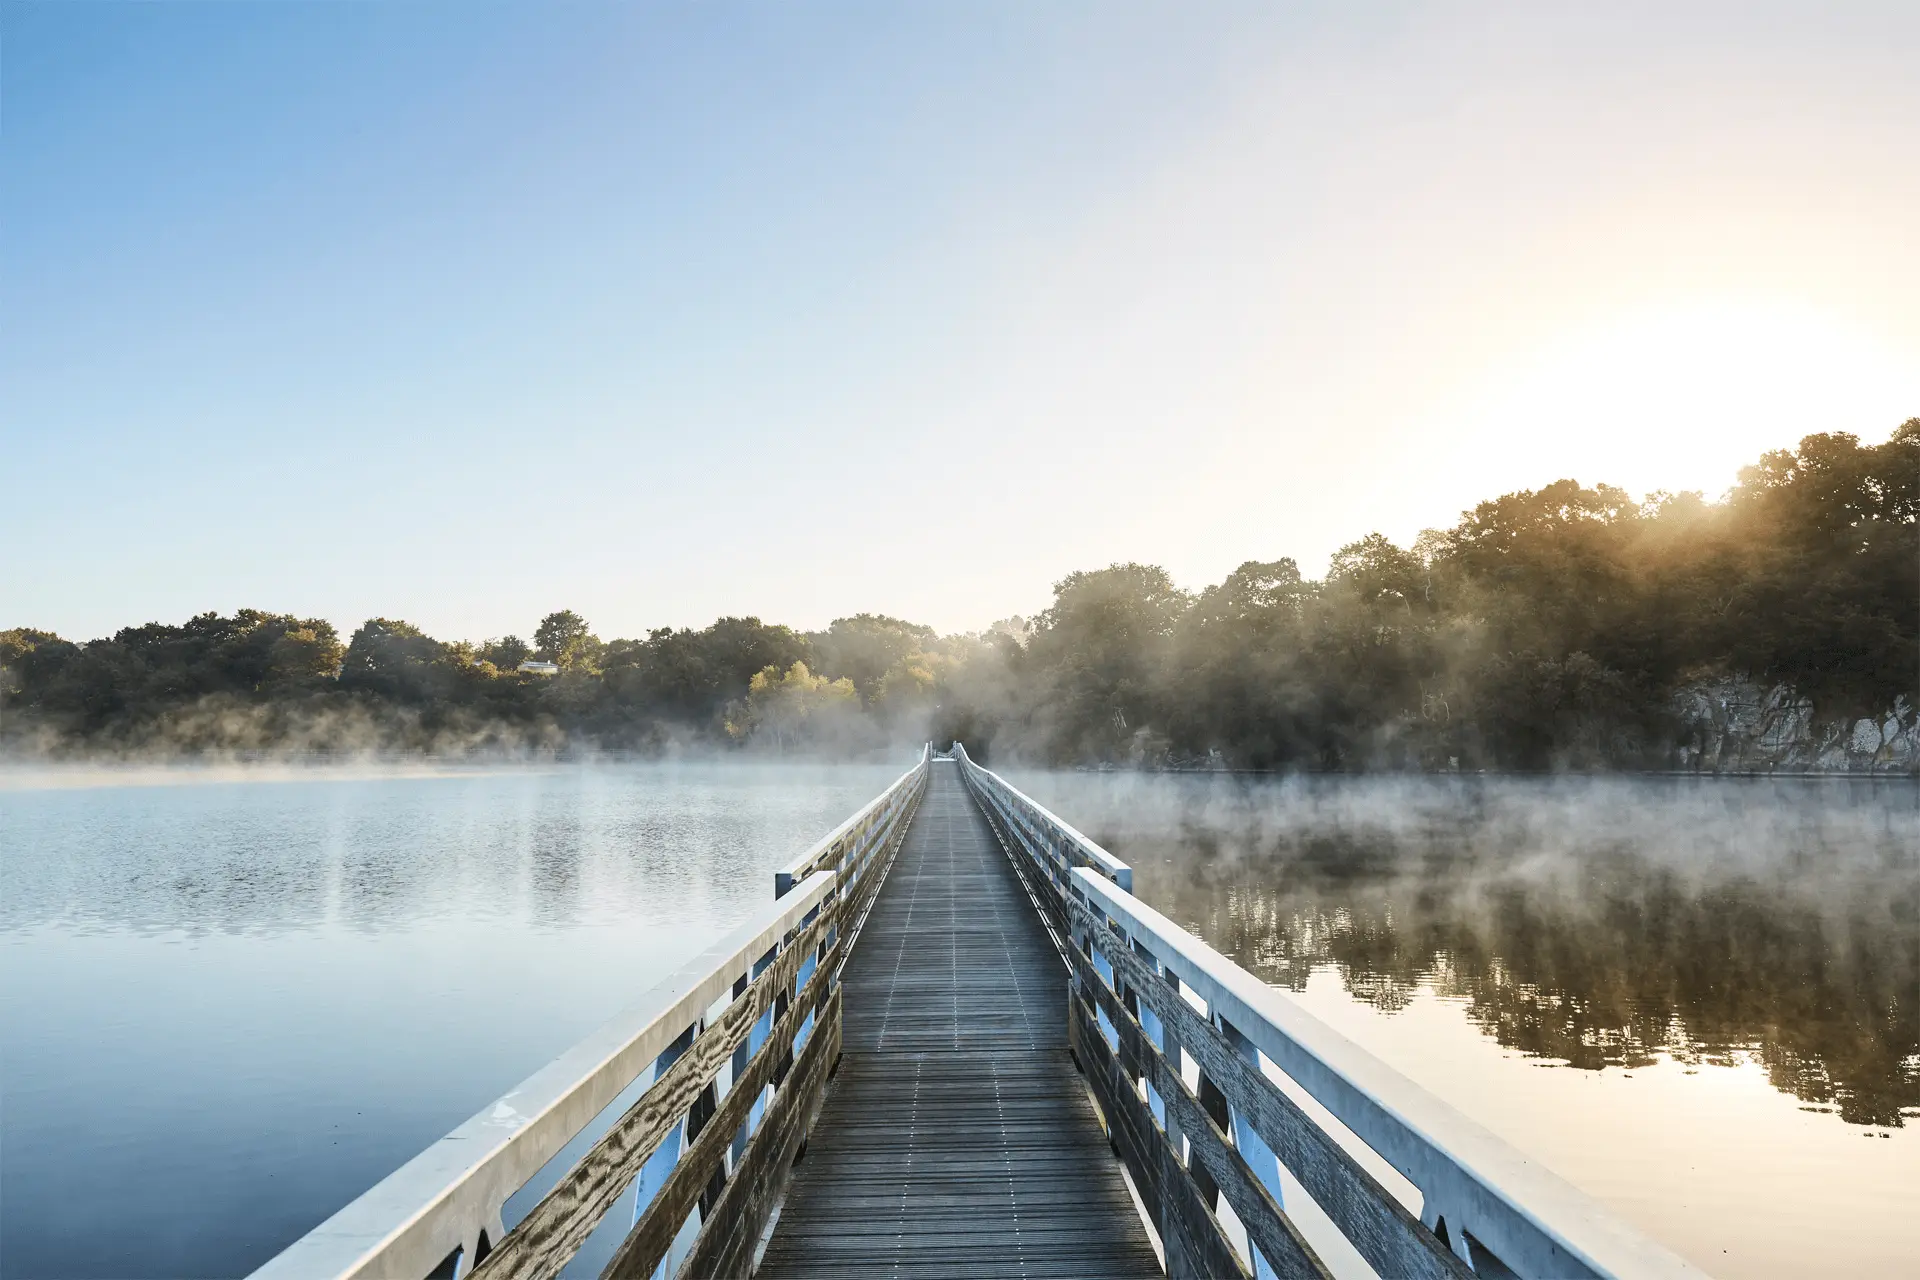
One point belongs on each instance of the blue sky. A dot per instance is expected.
(464, 313)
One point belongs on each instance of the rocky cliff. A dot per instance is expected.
(1738, 725)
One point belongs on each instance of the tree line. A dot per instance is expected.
(1610, 960)
(1548, 628)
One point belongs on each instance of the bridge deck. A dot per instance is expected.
(957, 1139)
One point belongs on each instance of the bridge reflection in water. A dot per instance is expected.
(956, 1044)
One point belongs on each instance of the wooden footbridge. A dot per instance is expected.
(955, 1044)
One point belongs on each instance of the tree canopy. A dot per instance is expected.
(1550, 627)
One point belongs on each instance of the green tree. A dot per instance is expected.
(506, 653)
(15, 644)
(787, 708)
(691, 678)
(565, 639)
(1560, 626)
(304, 658)
(865, 647)
(396, 661)
(1824, 594)
(1240, 682)
(1103, 647)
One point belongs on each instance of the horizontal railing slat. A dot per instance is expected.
(727, 1240)
(653, 1235)
(1272, 1232)
(1194, 1243)
(1533, 1220)
(1391, 1240)
(447, 1202)
(553, 1231)
(1038, 822)
(417, 1215)
(1492, 1198)
(829, 850)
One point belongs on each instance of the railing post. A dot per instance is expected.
(1254, 1152)
(1170, 1046)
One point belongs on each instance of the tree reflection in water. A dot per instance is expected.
(1594, 922)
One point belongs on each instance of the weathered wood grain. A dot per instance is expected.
(543, 1242)
(729, 1234)
(1194, 1243)
(1392, 1240)
(956, 1139)
(859, 871)
(653, 1235)
(1149, 1174)
(1271, 1230)
(1038, 874)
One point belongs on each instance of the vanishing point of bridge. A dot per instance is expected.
(955, 1044)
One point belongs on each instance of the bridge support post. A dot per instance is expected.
(1170, 1046)
(1254, 1152)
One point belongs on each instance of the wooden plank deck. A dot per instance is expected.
(957, 1139)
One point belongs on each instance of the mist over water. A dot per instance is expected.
(232, 1000)
(1721, 977)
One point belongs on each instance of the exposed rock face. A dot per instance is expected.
(1738, 725)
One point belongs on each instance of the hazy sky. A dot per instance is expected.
(463, 313)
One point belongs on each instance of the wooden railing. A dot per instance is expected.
(1256, 1136)
(857, 850)
(1052, 849)
(668, 1134)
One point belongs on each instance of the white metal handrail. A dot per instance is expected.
(1489, 1194)
(443, 1198)
(446, 1204)
(847, 848)
(1064, 846)
(1534, 1221)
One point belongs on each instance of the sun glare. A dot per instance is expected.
(1682, 397)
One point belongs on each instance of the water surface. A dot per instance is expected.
(1699, 1000)
(229, 1003)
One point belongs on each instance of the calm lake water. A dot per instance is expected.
(1697, 1000)
(230, 1004)
(229, 1007)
